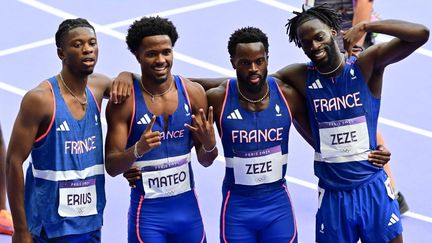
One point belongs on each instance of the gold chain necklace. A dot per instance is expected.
(332, 71)
(156, 95)
(253, 101)
(83, 103)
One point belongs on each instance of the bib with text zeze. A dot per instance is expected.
(77, 198)
(343, 137)
(166, 179)
(258, 167)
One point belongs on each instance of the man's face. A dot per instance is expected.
(318, 42)
(155, 55)
(250, 63)
(79, 50)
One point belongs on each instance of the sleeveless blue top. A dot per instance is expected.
(343, 115)
(64, 188)
(255, 143)
(166, 169)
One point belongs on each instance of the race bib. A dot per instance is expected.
(258, 167)
(77, 198)
(166, 179)
(343, 137)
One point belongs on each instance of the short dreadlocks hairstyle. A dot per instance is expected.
(323, 13)
(247, 35)
(68, 25)
(149, 26)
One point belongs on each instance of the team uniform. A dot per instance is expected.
(64, 189)
(256, 204)
(164, 207)
(355, 197)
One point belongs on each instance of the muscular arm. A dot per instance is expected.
(209, 83)
(362, 12)
(297, 105)
(294, 75)
(103, 87)
(117, 158)
(34, 115)
(204, 137)
(372, 61)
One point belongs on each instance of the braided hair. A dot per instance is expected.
(68, 25)
(323, 13)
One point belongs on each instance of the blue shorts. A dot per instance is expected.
(91, 237)
(258, 218)
(368, 212)
(169, 219)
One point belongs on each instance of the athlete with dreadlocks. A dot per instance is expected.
(59, 124)
(343, 98)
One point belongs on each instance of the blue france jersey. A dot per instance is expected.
(255, 143)
(166, 170)
(64, 189)
(343, 115)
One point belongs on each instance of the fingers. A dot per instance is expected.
(133, 174)
(113, 94)
(150, 125)
(210, 115)
(379, 157)
(193, 129)
(152, 139)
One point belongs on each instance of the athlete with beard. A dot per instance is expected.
(59, 124)
(343, 98)
(253, 115)
(154, 132)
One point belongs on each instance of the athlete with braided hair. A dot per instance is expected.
(343, 94)
(63, 197)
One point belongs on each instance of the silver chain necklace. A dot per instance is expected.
(253, 101)
(83, 103)
(332, 71)
(156, 95)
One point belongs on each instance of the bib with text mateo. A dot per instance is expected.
(166, 179)
(258, 167)
(77, 198)
(343, 137)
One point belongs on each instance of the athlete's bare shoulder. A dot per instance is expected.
(37, 104)
(99, 84)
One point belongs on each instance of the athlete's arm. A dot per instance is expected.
(297, 106)
(103, 87)
(117, 158)
(209, 83)
(202, 124)
(294, 75)
(362, 12)
(408, 37)
(32, 121)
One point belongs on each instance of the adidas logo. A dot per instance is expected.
(235, 115)
(393, 220)
(144, 120)
(63, 127)
(315, 85)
